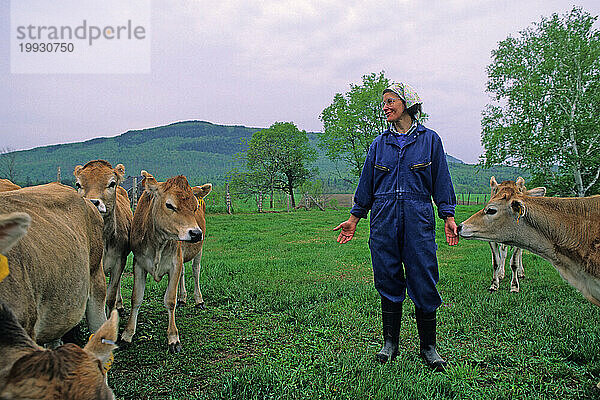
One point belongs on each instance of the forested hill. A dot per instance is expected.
(200, 150)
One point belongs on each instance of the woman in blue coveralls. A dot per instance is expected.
(405, 167)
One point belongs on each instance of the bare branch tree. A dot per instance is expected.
(8, 163)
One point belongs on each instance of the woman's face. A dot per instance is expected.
(393, 106)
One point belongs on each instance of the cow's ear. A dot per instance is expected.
(537, 192)
(517, 207)
(12, 228)
(103, 342)
(202, 191)
(120, 171)
(77, 170)
(493, 185)
(150, 184)
(520, 184)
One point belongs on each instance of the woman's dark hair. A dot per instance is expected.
(413, 110)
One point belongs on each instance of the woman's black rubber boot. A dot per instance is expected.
(391, 315)
(427, 336)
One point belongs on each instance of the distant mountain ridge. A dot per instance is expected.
(200, 150)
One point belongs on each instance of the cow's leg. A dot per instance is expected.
(171, 302)
(182, 293)
(137, 295)
(498, 259)
(94, 311)
(119, 272)
(196, 275)
(516, 261)
(110, 267)
(519, 262)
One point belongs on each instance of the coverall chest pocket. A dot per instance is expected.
(382, 177)
(419, 177)
(420, 166)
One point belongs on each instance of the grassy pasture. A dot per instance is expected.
(291, 314)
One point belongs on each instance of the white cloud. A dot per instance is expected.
(256, 62)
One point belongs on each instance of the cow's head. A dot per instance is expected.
(49, 374)
(97, 181)
(501, 215)
(174, 205)
(518, 186)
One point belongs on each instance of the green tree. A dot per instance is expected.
(351, 123)
(281, 155)
(246, 184)
(545, 112)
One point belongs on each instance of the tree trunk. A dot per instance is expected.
(259, 201)
(291, 192)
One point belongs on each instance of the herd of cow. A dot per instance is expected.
(60, 242)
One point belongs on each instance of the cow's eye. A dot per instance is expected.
(78, 185)
(112, 184)
(170, 206)
(491, 211)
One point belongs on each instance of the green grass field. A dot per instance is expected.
(291, 314)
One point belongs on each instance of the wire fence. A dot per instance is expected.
(219, 200)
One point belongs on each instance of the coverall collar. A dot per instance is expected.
(410, 138)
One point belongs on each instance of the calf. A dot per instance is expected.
(193, 251)
(55, 271)
(564, 231)
(165, 216)
(98, 182)
(69, 372)
(499, 250)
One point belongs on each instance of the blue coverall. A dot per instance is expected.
(397, 183)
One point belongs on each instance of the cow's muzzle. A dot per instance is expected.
(195, 235)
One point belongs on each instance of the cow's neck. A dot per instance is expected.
(110, 225)
(564, 226)
(157, 243)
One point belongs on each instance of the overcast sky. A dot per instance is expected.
(256, 62)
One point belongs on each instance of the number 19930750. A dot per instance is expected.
(50, 47)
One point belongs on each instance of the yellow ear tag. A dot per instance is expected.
(200, 201)
(108, 363)
(3, 267)
(521, 213)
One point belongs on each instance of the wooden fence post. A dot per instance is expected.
(58, 175)
(227, 198)
(134, 194)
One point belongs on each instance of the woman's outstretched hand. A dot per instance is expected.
(348, 228)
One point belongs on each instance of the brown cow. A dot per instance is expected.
(164, 216)
(69, 372)
(499, 250)
(564, 231)
(193, 251)
(55, 271)
(6, 185)
(99, 182)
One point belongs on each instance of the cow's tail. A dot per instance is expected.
(12, 333)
